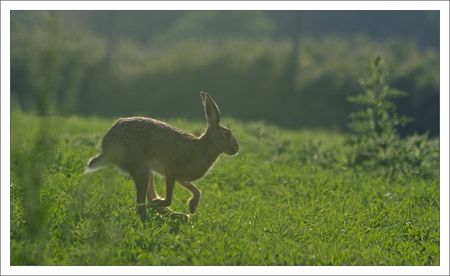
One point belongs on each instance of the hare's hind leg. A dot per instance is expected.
(195, 199)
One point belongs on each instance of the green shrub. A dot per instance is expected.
(251, 76)
(49, 61)
(375, 141)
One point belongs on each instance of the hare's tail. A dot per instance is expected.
(95, 163)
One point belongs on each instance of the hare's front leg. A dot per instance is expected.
(152, 195)
(195, 199)
(151, 192)
(139, 174)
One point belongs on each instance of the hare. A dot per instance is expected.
(141, 146)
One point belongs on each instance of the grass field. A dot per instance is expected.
(287, 199)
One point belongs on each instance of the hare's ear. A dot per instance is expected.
(212, 111)
(203, 96)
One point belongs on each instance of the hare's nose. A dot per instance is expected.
(236, 148)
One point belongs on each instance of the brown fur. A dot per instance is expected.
(141, 146)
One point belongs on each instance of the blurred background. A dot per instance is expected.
(295, 69)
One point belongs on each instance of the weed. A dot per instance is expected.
(375, 141)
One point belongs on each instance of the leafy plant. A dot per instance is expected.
(375, 141)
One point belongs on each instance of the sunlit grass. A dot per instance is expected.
(286, 199)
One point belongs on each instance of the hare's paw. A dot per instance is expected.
(159, 202)
(182, 217)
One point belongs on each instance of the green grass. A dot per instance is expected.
(286, 199)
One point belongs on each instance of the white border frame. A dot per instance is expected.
(443, 6)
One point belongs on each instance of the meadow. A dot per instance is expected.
(288, 198)
(335, 167)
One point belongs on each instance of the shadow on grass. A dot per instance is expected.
(167, 217)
